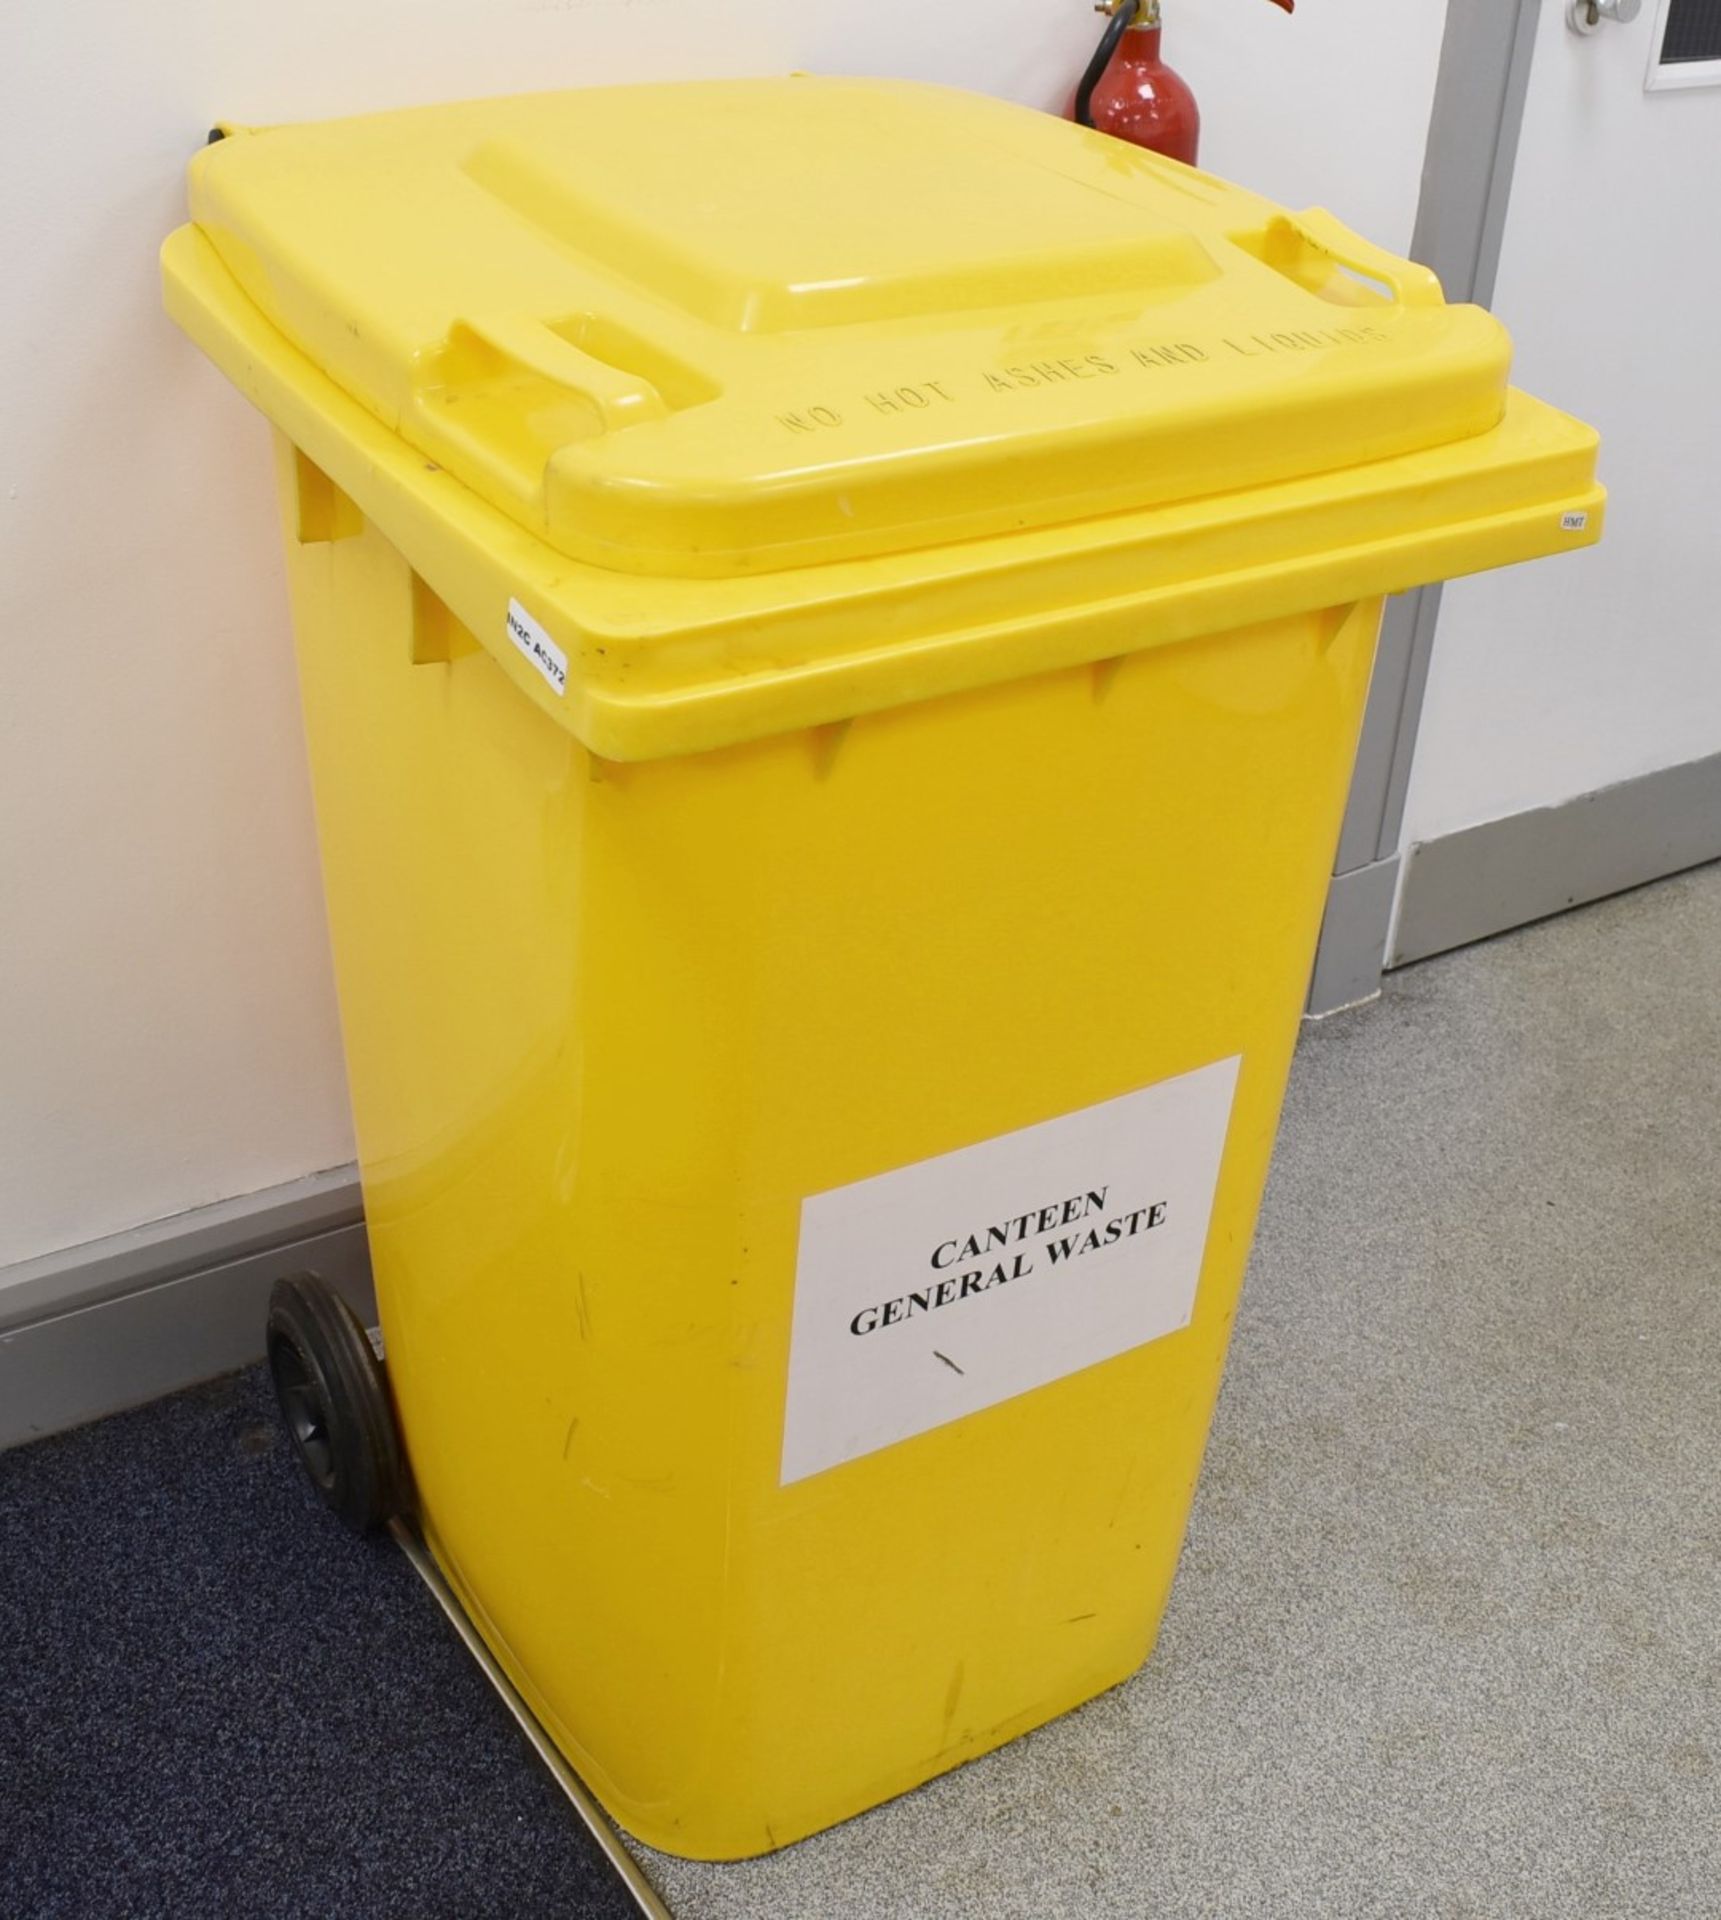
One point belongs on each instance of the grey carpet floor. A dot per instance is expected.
(1445, 1645)
(1446, 1640)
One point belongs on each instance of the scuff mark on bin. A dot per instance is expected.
(583, 1308)
(826, 742)
(1122, 1496)
(951, 1364)
(952, 1696)
(649, 1482)
(1104, 672)
(568, 1437)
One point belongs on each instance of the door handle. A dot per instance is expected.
(1584, 16)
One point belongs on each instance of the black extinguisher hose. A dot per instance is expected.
(1116, 26)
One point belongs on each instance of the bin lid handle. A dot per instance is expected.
(506, 393)
(498, 344)
(1315, 231)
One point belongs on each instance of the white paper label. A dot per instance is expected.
(537, 646)
(928, 1293)
(1573, 522)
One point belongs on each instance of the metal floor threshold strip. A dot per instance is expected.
(627, 1869)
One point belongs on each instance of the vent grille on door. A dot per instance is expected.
(1693, 32)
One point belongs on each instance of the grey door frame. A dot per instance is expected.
(1460, 219)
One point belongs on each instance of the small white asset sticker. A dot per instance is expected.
(1573, 522)
(537, 646)
(928, 1293)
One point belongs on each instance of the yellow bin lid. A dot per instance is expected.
(731, 330)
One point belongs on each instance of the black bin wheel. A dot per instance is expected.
(333, 1399)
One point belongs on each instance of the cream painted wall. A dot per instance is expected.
(1552, 680)
(167, 1026)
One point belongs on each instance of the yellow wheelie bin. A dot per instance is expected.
(833, 620)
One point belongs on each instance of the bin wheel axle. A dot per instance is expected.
(334, 1401)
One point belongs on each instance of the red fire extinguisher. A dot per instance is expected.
(1129, 91)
